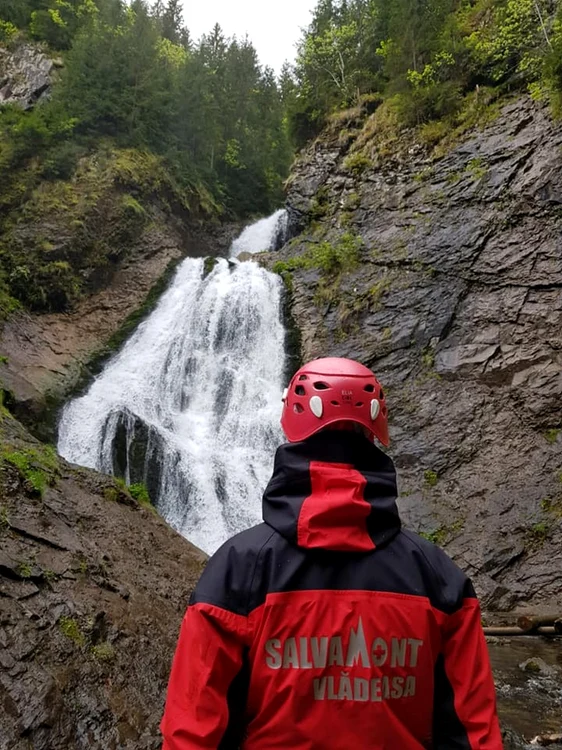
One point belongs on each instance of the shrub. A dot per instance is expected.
(70, 628)
(140, 493)
(50, 286)
(8, 32)
(61, 161)
(331, 258)
(357, 163)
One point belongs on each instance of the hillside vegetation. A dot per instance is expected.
(426, 60)
(139, 108)
(146, 123)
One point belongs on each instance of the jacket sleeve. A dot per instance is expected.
(208, 658)
(465, 714)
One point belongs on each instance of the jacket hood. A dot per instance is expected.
(334, 491)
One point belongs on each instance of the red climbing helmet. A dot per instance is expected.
(333, 390)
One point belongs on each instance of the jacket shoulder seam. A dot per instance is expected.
(419, 547)
(258, 557)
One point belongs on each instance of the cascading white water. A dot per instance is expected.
(191, 404)
(265, 234)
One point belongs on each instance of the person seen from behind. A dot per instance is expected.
(329, 626)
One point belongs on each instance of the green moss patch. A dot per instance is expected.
(37, 467)
(343, 255)
(70, 628)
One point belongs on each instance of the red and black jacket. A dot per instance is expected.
(329, 627)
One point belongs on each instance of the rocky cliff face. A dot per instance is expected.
(93, 587)
(444, 274)
(26, 75)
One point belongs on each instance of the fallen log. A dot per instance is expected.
(515, 631)
(529, 623)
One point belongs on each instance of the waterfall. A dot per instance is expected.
(266, 234)
(191, 404)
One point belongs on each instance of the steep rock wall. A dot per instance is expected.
(93, 587)
(456, 302)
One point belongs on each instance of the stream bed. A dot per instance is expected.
(530, 699)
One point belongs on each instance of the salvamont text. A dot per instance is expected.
(304, 652)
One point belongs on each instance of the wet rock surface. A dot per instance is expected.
(26, 75)
(457, 305)
(93, 588)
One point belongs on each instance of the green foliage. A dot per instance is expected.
(25, 570)
(70, 628)
(424, 57)
(357, 163)
(103, 652)
(8, 304)
(477, 168)
(553, 506)
(8, 32)
(431, 478)
(376, 293)
(428, 358)
(209, 265)
(551, 436)
(36, 466)
(551, 82)
(287, 277)
(52, 285)
(120, 491)
(431, 133)
(352, 202)
(442, 534)
(436, 536)
(61, 161)
(132, 208)
(50, 576)
(140, 493)
(199, 129)
(320, 205)
(4, 397)
(509, 41)
(540, 531)
(58, 21)
(329, 258)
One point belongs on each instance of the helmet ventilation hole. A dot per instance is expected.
(322, 386)
(359, 404)
(335, 403)
(381, 395)
(303, 377)
(298, 408)
(300, 390)
(369, 388)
